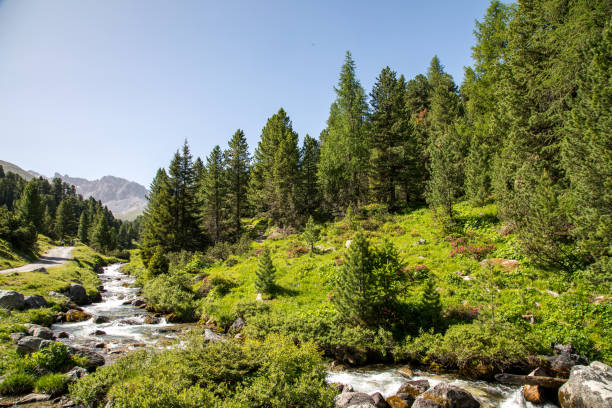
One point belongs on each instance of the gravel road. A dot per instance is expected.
(53, 257)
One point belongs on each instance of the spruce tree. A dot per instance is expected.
(83, 231)
(587, 154)
(266, 274)
(430, 300)
(101, 236)
(310, 198)
(389, 131)
(65, 219)
(29, 206)
(157, 218)
(344, 166)
(310, 234)
(213, 196)
(237, 161)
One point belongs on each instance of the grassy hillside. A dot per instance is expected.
(530, 308)
(13, 258)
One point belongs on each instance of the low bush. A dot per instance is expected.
(171, 293)
(51, 384)
(17, 383)
(53, 358)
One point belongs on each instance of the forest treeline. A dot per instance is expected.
(529, 129)
(54, 209)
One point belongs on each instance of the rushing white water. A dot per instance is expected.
(387, 381)
(126, 325)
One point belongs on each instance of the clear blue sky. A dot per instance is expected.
(91, 88)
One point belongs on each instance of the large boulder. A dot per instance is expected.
(43, 333)
(30, 344)
(354, 400)
(78, 294)
(35, 302)
(100, 319)
(588, 387)
(9, 299)
(446, 396)
(566, 357)
(94, 360)
(414, 387)
(74, 315)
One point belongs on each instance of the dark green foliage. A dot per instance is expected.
(432, 307)
(53, 358)
(171, 293)
(51, 384)
(17, 383)
(310, 197)
(368, 283)
(158, 264)
(238, 161)
(344, 165)
(157, 228)
(265, 274)
(587, 153)
(29, 206)
(213, 196)
(83, 231)
(101, 234)
(310, 234)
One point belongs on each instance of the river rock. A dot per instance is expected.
(238, 324)
(151, 319)
(78, 294)
(28, 344)
(209, 335)
(35, 302)
(130, 322)
(98, 333)
(9, 299)
(94, 360)
(43, 333)
(100, 319)
(566, 358)
(405, 371)
(63, 335)
(446, 396)
(138, 302)
(400, 401)
(588, 387)
(76, 373)
(15, 337)
(74, 315)
(354, 400)
(414, 387)
(379, 400)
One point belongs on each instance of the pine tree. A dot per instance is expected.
(587, 154)
(430, 300)
(238, 161)
(310, 198)
(265, 274)
(181, 181)
(344, 165)
(310, 234)
(158, 263)
(83, 231)
(65, 219)
(157, 219)
(29, 206)
(390, 130)
(101, 236)
(213, 196)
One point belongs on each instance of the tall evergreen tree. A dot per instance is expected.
(65, 219)
(101, 236)
(266, 274)
(238, 161)
(389, 132)
(29, 206)
(213, 196)
(587, 154)
(157, 219)
(310, 198)
(344, 165)
(83, 231)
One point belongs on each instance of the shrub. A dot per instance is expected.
(17, 383)
(220, 251)
(52, 358)
(159, 263)
(296, 252)
(52, 384)
(221, 286)
(171, 293)
(44, 317)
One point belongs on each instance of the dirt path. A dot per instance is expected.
(53, 257)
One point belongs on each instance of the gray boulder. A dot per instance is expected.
(78, 294)
(354, 400)
(414, 387)
(43, 333)
(588, 387)
(9, 299)
(94, 360)
(35, 302)
(76, 373)
(100, 319)
(446, 396)
(379, 401)
(209, 335)
(28, 344)
(238, 324)
(15, 337)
